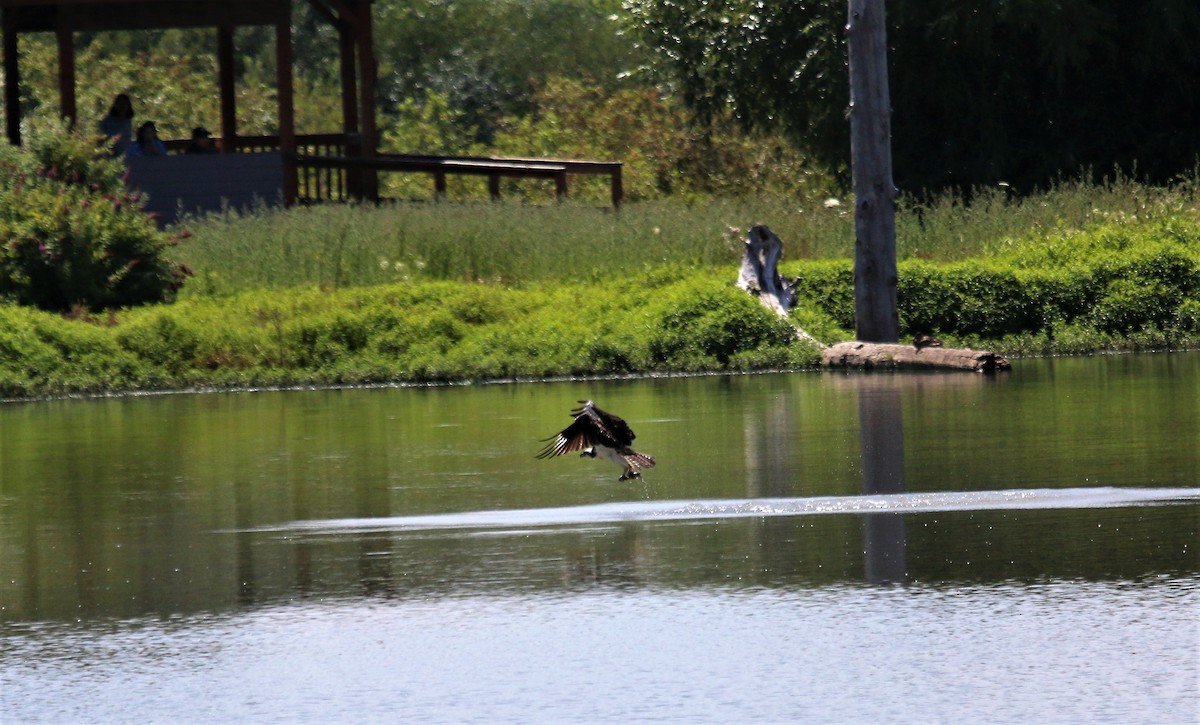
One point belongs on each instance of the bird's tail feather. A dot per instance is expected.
(639, 461)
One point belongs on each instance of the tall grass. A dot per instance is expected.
(338, 246)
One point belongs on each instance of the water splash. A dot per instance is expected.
(716, 509)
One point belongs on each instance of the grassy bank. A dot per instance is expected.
(434, 293)
(334, 247)
(670, 319)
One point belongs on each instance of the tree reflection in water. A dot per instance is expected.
(881, 444)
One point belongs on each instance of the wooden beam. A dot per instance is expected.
(349, 77)
(66, 74)
(146, 15)
(228, 90)
(367, 82)
(12, 84)
(287, 112)
(325, 12)
(350, 121)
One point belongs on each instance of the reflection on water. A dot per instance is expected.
(1015, 548)
(881, 443)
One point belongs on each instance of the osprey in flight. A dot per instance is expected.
(598, 433)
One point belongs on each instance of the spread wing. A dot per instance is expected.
(616, 428)
(591, 427)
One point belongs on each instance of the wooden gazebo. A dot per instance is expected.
(65, 18)
(318, 167)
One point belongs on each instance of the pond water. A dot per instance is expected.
(812, 547)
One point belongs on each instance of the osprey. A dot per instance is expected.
(598, 433)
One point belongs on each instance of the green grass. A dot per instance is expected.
(335, 246)
(669, 320)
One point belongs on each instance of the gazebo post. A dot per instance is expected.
(287, 119)
(12, 83)
(349, 74)
(225, 79)
(367, 70)
(66, 73)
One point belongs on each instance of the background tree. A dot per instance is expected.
(1021, 92)
(488, 57)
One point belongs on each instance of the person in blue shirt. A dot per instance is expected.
(147, 143)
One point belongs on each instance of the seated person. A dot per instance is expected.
(202, 142)
(147, 143)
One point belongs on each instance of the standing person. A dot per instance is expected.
(147, 143)
(118, 124)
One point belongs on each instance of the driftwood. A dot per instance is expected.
(883, 356)
(759, 275)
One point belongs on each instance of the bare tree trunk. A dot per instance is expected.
(875, 314)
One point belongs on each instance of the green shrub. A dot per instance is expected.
(167, 341)
(703, 324)
(826, 286)
(1187, 317)
(1130, 304)
(71, 235)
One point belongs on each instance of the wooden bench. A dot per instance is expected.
(494, 168)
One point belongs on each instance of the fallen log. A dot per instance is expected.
(884, 356)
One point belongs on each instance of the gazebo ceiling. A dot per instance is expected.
(24, 16)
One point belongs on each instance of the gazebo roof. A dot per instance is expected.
(91, 15)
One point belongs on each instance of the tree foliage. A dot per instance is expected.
(487, 57)
(1020, 91)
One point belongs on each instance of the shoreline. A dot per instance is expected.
(526, 380)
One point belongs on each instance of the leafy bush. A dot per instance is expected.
(1117, 279)
(703, 324)
(72, 236)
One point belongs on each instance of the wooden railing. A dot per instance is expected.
(331, 167)
(493, 167)
(328, 184)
